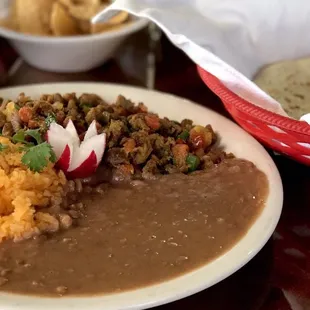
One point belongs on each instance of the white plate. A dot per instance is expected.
(234, 139)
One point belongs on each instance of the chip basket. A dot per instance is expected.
(280, 133)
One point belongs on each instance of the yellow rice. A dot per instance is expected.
(23, 193)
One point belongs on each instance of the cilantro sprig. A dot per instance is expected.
(36, 158)
(51, 118)
(37, 153)
(20, 137)
(35, 134)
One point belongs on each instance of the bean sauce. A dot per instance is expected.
(140, 233)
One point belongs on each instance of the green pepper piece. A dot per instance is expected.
(17, 107)
(183, 135)
(86, 107)
(193, 162)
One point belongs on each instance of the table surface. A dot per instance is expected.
(278, 278)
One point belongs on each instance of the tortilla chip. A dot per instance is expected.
(13, 17)
(90, 2)
(46, 9)
(85, 10)
(84, 26)
(32, 16)
(5, 23)
(59, 17)
(9, 21)
(61, 23)
(114, 23)
(66, 3)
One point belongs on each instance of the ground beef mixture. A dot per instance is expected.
(140, 143)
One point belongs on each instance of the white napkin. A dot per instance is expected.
(232, 39)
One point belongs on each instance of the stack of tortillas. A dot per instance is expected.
(288, 82)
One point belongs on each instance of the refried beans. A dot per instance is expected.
(137, 233)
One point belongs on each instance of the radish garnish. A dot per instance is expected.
(77, 159)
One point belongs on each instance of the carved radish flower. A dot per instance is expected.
(78, 159)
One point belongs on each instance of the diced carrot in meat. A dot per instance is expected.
(25, 114)
(129, 145)
(152, 121)
(180, 152)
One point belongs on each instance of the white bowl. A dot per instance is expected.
(72, 53)
(234, 139)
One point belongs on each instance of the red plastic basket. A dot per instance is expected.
(282, 134)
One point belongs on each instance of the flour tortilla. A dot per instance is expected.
(288, 82)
